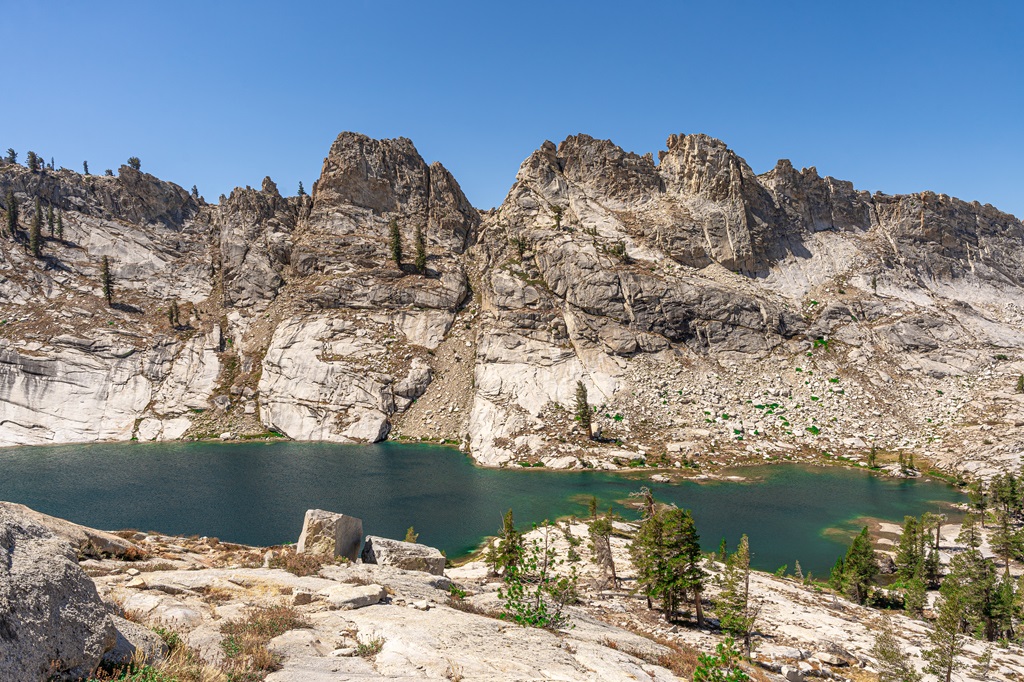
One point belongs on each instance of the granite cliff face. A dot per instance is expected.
(712, 313)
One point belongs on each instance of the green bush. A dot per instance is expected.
(722, 666)
(534, 594)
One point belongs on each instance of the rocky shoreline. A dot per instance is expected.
(73, 597)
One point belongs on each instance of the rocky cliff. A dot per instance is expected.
(713, 314)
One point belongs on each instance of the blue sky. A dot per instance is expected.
(895, 96)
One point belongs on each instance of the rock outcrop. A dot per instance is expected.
(87, 542)
(373, 621)
(330, 534)
(701, 305)
(53, 625)
(408, 556)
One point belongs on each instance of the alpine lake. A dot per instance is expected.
(257, 493)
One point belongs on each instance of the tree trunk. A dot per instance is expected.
(699, 607)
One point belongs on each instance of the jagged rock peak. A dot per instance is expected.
(390, 179)
(270, 187)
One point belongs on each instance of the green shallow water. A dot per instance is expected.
(257, 493)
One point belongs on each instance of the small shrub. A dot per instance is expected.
(534, 594)
(171, 638)
(370, 647)
(722, 666)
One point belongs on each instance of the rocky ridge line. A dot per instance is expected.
(714, 315)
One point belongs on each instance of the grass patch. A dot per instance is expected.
(183, 664)
(302, 564)
(948, 478)
(245, 641)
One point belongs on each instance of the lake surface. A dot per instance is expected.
(257, 493)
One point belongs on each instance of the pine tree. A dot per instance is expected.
(601, 546)
(509, 551)
(411, 535)
(647, 552)
(723, 551)
(735, 613)
(682, 562)
(915, 595)
(49, 218)
(969, 533)
(837, 576)
(33, 161)
(107, 280)
(35, 232)
(195, 192)
(945, 638)
(582, 409)
(421, 251)
(12, 156)
(1005, 609)
(11, 202)
(1005, 494)
(932, 567)
(592, 507)
(1005, 541)
(134, 163)
(51, 163)
(173, 313)
(860, 567)
(60, 225)
(893, 663)
(977, 499)
(395, 243)
(908, 549)
(85, 168)
(302, 190)
(968, 581)
(798, 572)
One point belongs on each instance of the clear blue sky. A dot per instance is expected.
(895, 96)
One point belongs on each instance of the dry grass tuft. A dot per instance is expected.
(680, 659)
(245, 642)
(454, 671)
(183, 664)
(301, 564)
(218, 595)
(467, 606)
(134, 553)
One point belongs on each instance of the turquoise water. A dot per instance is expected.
(257, 493)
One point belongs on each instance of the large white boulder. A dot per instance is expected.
(405, 555)
(52, 622)
(324, 532)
